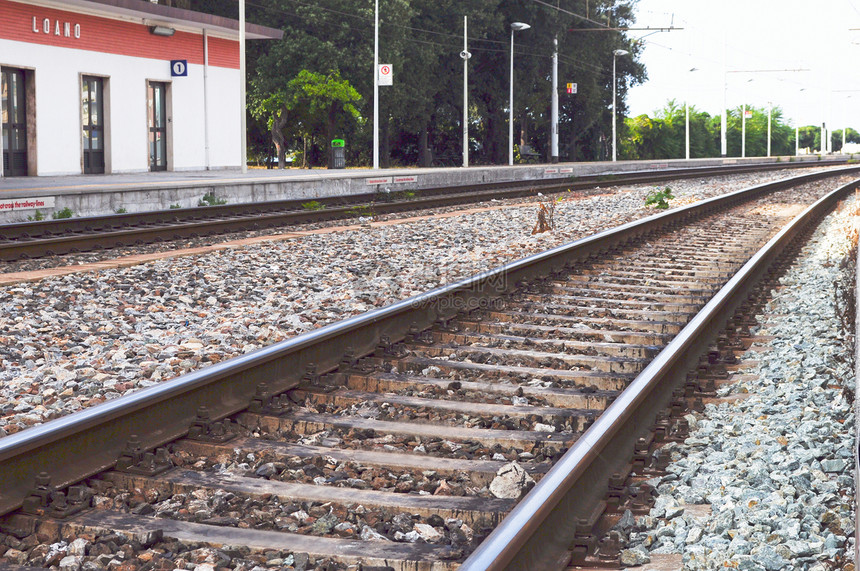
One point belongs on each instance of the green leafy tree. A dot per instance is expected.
(310, 105)
(421, 114)
(782, 135)
(810, 138)
(851, 136)
(664, 135)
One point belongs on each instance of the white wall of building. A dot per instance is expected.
(224, 119)
(58, 112)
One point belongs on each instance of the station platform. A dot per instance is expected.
(97, 195)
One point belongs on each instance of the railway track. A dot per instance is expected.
(38, 239)
(500, 408)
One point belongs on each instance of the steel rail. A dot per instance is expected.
(49, 237)
(538, 531)
(77, 446)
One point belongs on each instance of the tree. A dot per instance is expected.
(851, 136)
(664, 135)
(310, 105)
(810, 138)
(422, 112)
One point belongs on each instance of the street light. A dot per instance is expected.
(553, 151)
(687, 114)
(465, 55)
(615, 55)
(515, 27)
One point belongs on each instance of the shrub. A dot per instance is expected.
(659, 198)
(313, 205)
(210, 199)
(363, 211)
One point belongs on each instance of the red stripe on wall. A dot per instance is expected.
(105, 35)
(223, 53)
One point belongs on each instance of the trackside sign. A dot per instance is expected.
(8, 204)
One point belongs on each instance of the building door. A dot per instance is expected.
(14, 119)
(157, 117)
(92, 124)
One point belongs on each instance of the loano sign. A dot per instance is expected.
(56, 28)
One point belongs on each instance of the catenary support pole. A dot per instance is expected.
(769, 114)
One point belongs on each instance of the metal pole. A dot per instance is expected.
(376, 85)
(554, 145)
(614, 58)
(823, 145)
(511, 107)
(1, 114)
(687, 125)
(465, 56)
(242, 89)
(205, 98)
(769, 113)
(829, 115)
(845, 125)
(744, 132)
(797, 126)
(724, 120)
(687, 114)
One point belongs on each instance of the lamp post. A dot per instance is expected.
(687, 116)
(465, 55)
(515, 27)
(615, 54)
(554, 104)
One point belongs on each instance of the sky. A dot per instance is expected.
(759, 40)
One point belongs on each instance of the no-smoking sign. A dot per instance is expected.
(386, 74)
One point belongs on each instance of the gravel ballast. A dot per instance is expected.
(74, 341)
(774, 461)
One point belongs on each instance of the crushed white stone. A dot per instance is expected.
(71, 342)
(776, 467)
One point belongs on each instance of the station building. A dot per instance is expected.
(118, 86)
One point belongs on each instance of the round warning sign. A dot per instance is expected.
(386, 74)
